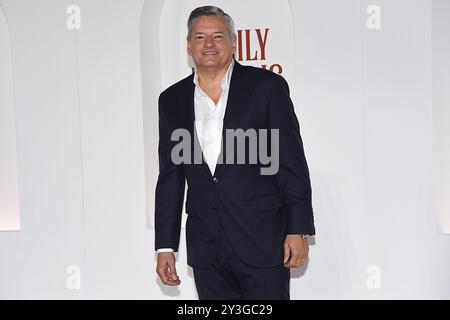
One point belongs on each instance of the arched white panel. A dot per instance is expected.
(9, 188)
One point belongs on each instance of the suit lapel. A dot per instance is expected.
(237, 100)
(235, 103)
(190, 118)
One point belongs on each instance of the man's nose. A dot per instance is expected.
(209, 42)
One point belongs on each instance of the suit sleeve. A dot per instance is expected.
(293, 174)
(169, 194)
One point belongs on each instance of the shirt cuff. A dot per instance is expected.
(164, 250)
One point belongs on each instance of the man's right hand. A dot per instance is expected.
(165, 268)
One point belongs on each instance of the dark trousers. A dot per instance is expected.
(230, 278)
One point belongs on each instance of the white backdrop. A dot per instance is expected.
(86, 102)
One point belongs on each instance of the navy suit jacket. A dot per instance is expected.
(255, 211)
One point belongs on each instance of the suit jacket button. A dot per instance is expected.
(215, 179)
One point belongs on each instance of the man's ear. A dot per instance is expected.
(188, 45)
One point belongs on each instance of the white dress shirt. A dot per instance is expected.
(209, 122)
(209, 119)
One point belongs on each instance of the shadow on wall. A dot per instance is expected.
(9, 185)
(151, 87)
(441, 112)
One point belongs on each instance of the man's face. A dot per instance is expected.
(210, 44)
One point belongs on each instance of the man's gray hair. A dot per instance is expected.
(210, 11)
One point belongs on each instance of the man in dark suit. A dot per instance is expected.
(245, 229)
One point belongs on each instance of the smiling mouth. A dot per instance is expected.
(209, 53)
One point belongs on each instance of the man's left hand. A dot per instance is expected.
(295, 250)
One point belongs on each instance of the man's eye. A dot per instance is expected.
(218, 36)
(199, 37)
